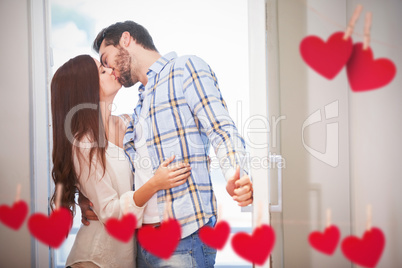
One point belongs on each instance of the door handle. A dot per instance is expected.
(277, 160)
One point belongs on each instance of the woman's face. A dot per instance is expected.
(109, 85)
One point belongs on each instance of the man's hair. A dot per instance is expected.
(112, 35)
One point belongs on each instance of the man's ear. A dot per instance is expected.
(125, 39)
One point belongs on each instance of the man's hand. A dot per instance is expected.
(240, 189)
(86, 210)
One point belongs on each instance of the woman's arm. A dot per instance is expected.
(97, 187)
(165, 178)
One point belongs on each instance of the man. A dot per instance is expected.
(180, 112)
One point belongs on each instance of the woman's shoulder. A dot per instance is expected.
(84, 142)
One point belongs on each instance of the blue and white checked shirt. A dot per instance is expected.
(186, 115)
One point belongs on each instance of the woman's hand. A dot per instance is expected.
(168, 177)
(86, 210)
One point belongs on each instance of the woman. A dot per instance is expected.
(88, 156)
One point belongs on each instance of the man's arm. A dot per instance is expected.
(204, 98)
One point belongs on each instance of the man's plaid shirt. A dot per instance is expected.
(186, 115)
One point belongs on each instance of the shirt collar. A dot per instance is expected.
(161, 63)
(157, 67)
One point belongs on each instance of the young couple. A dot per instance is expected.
(152, 163)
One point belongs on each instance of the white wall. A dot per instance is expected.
(369, 134)
(375, 135)
(15, 246)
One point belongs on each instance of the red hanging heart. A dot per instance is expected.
(257, 247)
(162, 240)
(122, 229)
(215, 237)
(325, 242)
(365, 73)
(366, 251)
(52, 230)
(326, 58)
(14, 217)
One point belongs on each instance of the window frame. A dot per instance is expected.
(40, 128)
(40, 116)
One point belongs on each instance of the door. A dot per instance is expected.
(312, 133)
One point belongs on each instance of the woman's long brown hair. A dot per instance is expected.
(75, 99)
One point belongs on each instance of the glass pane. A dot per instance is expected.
(216, 31)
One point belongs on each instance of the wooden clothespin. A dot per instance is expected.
(369, 217)
(259, 214)
(59, 189)
(352, 22)
(166, 212)
(18, 194)
(126, 205)
(367, 26)
(328, 217)
(219, 216)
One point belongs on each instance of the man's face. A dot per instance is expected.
(118, 59)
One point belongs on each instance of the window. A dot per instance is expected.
(217, 31)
